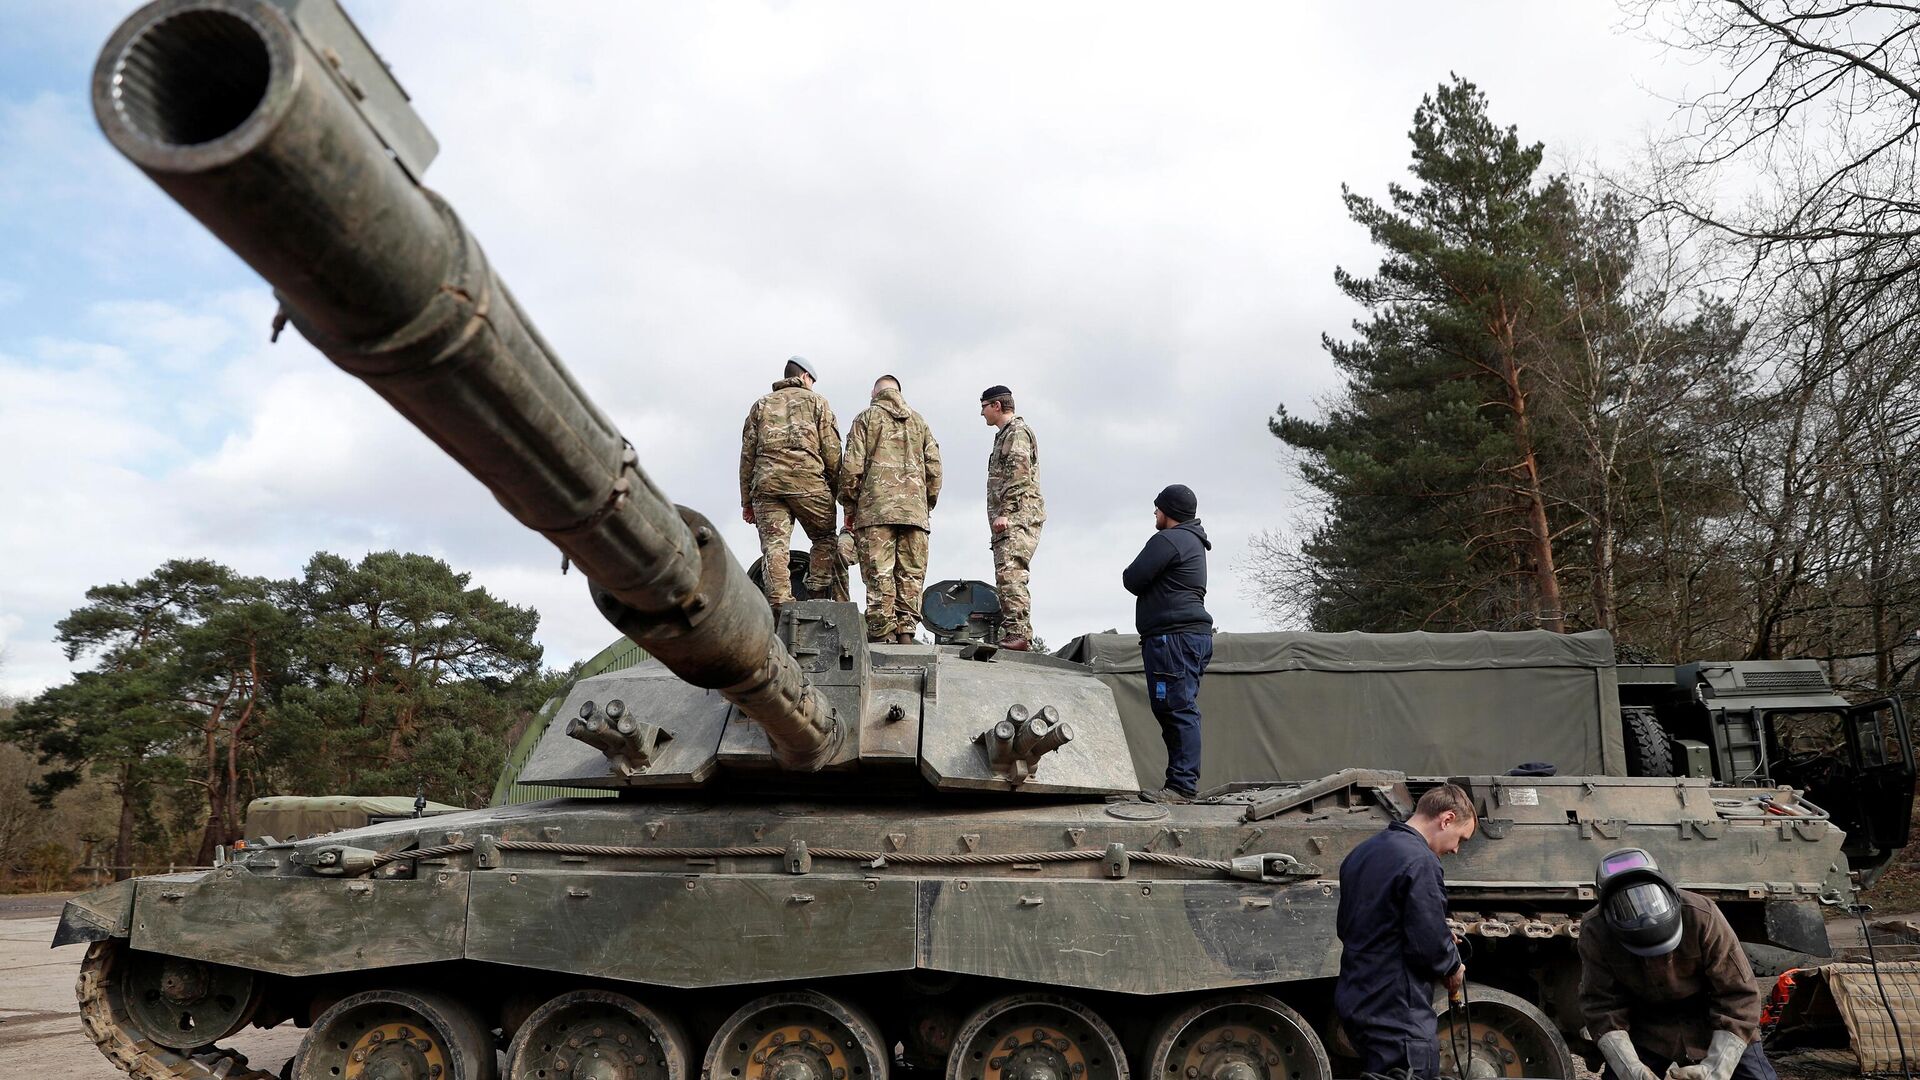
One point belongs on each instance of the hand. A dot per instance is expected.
(1457, 980)
(1617, 1048)
(1723, 1053)
(999, 524)
(746, 514)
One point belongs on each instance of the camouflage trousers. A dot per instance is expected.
(774, 516)
(893, 563)
(1012, 555)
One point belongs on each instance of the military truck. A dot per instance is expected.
(1779, 722)
(1300, 704)
(824, 859)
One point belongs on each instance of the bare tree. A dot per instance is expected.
(1832, 85)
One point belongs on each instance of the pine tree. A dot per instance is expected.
(1437, 514)
(413, 674)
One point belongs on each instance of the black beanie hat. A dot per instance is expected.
(1177, 502)
(993, 392)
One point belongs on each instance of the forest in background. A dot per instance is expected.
(208, 688)
(1678, 400)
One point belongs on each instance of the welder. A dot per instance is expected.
(1663, 980)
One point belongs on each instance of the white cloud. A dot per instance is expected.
(1129, 213)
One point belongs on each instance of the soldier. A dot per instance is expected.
(1015, 512)
(889, 481)
(1664, 981)
(789, 463)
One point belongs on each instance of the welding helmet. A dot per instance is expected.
(1638, 903)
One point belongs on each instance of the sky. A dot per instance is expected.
(1127, 212)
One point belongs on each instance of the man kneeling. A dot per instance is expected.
(1663, 980)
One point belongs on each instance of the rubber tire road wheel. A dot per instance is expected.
(453, 1031)
(1532, 1045)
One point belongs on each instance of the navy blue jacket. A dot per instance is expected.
(1393, 935)
(1169, 577)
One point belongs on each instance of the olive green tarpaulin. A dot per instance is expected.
(1301, 705)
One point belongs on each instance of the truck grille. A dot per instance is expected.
(1785, 682)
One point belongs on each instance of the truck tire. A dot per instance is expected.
(1649, 752)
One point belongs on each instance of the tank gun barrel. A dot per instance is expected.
(275, 125)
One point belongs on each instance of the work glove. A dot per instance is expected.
(1617, 1048)
(1723, 1053)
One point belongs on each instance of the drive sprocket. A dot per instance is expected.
(103, 1015)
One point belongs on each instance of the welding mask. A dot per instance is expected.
(1639, 904)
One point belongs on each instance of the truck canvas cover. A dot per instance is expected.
(1297, 705)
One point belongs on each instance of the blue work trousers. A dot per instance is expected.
(1174, 664)
(1386, 1050)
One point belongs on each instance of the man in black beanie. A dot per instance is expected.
(1169, 581)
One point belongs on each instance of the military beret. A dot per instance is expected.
(992, 393)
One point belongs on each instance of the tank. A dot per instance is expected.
(826, 860)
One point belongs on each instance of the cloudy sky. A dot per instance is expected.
(1127, 212)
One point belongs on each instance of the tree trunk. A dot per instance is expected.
(216, 803)
(1546, 580)
(123, 839)
(230, 824)
(1603, 540)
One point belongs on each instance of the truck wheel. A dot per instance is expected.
(1649, 753)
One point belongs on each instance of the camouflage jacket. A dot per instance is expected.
(891, 472)
(1013, 476)
(790, 444)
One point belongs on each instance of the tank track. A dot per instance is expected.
(105, 1023)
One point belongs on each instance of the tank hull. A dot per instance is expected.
(1133, 907)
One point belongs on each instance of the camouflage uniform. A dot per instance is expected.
(789, 461)
(889, 480)
(1013, 492)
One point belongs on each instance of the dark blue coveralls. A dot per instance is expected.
(1395, 946)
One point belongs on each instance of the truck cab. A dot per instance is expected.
(1779, 722)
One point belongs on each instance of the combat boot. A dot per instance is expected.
(1017, 644)
(903, 637)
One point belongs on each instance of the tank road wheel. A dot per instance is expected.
(184, 1004)
(1036, 1037)
(396, 1035)
(597, 1035)
(1498, 1034)
(805, 1035)
(1236, 1037)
